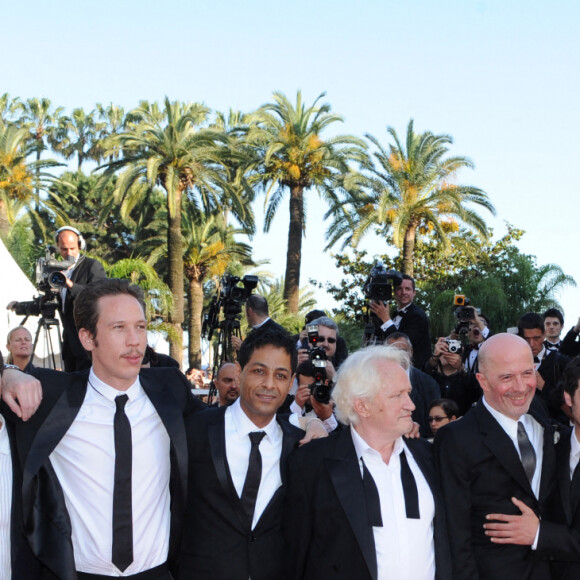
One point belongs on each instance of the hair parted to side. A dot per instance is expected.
(86, 307)
(530, 321)
(554, 313)
(449, 406)
(10, 359)
(359, 378)
(274, 337)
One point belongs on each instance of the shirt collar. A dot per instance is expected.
(261, 323)
(110, 393)
(509, 425)
(244, 425)
(362, 447)
(4, 443)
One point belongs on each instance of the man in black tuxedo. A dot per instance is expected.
(364, 503)
(408, 318)
(496, 452)
(237, 471)
(559, 536)
(104, 458)
(549, 364)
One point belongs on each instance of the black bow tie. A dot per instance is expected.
(536, 359)
(400, 313)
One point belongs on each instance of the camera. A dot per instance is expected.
(464, 312)
(454, 346)
(229, 299)
(320, 388)
(50, 278)
(380, 282)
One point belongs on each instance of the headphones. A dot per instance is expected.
(82, 243)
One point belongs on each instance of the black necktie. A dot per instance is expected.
(409, 489)
(372, 498)
(527, 452)
(253, 476)
(122, 507)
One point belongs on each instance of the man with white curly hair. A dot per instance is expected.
(365, 503)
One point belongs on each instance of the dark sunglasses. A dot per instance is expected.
(324, 339)
(436, 419)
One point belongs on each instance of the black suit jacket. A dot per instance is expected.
(74, 355)
(424, 390)
(46, 521)
(325, 516)
(415, 325)
(560, 535)
(217, 542)
(480, 472)
(551, 369)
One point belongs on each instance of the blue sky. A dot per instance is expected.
(500, 77)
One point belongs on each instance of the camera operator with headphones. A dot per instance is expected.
(70, 242)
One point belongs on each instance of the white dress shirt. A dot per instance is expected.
(396, 321)
(574, 452)
(237, 429)
(405, 547)
(84, 462)
(5, 502)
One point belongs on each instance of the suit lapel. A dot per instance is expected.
(344, 471)
(498, 442)
(563, 475)
(217, 445)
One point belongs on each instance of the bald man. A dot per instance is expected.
(227, 383)
(497, 458)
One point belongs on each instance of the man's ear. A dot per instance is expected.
(567, 399)
(482, 381)
(86, 339)
(361, 407)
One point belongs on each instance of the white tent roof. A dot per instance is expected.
(16, 286)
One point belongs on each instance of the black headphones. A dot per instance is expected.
(82, 243)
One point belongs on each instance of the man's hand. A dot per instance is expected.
(303, 355)
(236, 342)
(314, 429)
(11, 305)
(540, 382)
(519, 530)
(323, 410)
(414, 432)
(302, 395)
(380, 310)
(21, 392)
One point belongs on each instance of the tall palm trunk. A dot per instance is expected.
(195, 304)
(4, 223)
(294, 254)
(175, 255)
(409, 249)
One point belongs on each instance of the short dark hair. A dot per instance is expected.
(305, 369)
(407, 277)
(272, 337)
(258, 304)
(449, 406)
(554, 313)
(570, 377)
(530, 321)
(86, 309)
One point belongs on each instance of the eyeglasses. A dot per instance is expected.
(436, 419)
(325, 339)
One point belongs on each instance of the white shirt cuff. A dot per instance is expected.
(535, 544)
(386, 325)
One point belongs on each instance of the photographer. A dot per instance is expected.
(69, 243)
(327, 339)
(476, 335)
(306, 403)
(455, 382)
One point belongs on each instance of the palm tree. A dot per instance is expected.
(17, 178)
(411, 190)
(293, 156)
(172, 151)
(77, 136)
(210, 249)
(113, 122)
(8, 109)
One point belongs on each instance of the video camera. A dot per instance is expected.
(230, 298)
(320, 389)
(465, 314)
(50, 279)
(380, 282)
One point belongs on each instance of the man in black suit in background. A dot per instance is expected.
(365, 503)
(496, 459)
(408, 318)
(114, 437)
(237, 470)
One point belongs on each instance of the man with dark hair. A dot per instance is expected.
(548, 364)
(112, 436)
(553, 324)
(237, 458)
(258, 317)
(84, 270)
(408, 318)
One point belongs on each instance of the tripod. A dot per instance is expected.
(46, 322)
(229, 326)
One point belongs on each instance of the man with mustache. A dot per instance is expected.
(104, 457)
